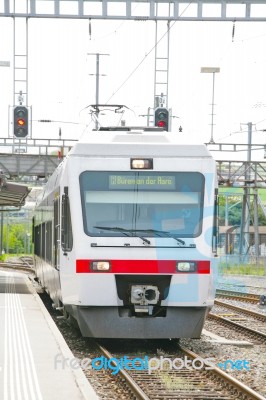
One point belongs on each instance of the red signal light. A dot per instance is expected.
(161, 124)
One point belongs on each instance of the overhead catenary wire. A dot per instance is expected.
(147, 54)
(232, 134)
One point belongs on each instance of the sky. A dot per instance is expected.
(62, 67)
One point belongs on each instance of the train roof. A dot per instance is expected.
(139, 141)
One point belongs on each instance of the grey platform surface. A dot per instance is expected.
(29, 345)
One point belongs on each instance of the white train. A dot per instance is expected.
(125, 235)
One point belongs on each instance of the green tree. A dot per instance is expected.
(15, 235)
(235, 211)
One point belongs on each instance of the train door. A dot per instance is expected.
(66, 225)
(56, 234)
(56, 247)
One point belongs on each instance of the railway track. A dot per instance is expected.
(185, 384)
(244, 311)
(243, 320)
(240, 286)
(166, 384)
(252, 334)
(234, 295)
(25, 264)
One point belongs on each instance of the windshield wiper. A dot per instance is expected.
(124, 231)
(163, 234)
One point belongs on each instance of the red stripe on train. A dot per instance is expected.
(141, 267)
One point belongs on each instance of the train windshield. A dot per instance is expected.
(131, 202)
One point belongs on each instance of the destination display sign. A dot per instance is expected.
(142, 182)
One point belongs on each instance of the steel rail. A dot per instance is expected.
(240, 309)
(16, 266)
(241, 387)
(237, 384)
(237, 325)
(251, 298)
(130, 382)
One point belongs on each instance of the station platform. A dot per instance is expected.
(30, 342)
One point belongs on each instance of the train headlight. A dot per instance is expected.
(186, 266)
(141, 163)
(100, 265)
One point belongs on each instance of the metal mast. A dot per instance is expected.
(161, 75)
(20, 50)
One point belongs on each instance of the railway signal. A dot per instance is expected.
(20, 122)
(161, 118)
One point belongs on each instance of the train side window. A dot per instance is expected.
(37, 240)
(48, 241)
(66, 225)
(215, 223)
(43, 240)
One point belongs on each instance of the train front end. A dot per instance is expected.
(143, 216)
